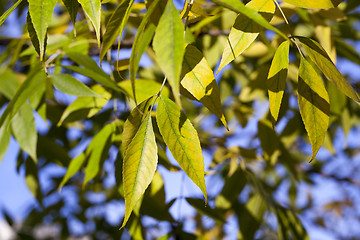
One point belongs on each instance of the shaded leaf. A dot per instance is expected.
(115, 26)
(314, 105)
(277, 79)
(182, 140)
(318, 55)
(92, 9)
(245, 30)
(169, 47)
(73, 168)
(41, 12)
(69, 85)
(34, 38)
(140, 163)
(198, 204)
(199, 80)
(9, 11)
(73, 7)
(24, 130)
(9, 83)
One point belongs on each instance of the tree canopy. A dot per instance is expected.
(244, 98)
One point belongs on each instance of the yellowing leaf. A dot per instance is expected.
(115, 26)
(314, 3)
(92, 9)
(133, 123)
(169, 47)
(277, 79)
(318, 55)
(245, 31)
(199, 80)
(139, 167)
(182, 140)
(314, 105)
(41, 12)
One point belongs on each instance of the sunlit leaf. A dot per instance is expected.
(182, 140)
(73, 168)
(115, 26)
(314, 4)
(245, 30)
(324, 63)
(169, 47)
(92, 9)
(41, 12)
(9, 11)
(5, 138)
(277, 79)
(69, 85)
(140, 163)
(24, 131)
(199, 80)
(314, 105)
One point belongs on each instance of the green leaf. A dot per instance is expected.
(24, 130)
(9, 83)
(9, 11)
(314, 4)
(69, 85)
(169, 47)
(115, 26)
(245, 30)
(238, 7)
(40, 12)
(182, 140)
(277, 79)
(92, 9)
(199, 80)
(35, 78)
(318, 55)
(85, 107)
(140, 163)
(98, 151)
(143, 89)
(73, 168)
(73, 7)
(142, 39)
(5, 138)
(34, 38)
(133, 122)
(314, 105)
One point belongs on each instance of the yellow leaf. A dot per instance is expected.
(277, 79)
(182, 140)
(139, 167)
(314, 3)
(199, 80)
(245, 31)
(314, 105)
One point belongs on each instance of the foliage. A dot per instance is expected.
(191, 85)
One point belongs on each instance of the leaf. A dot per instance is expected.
(314, 4)
(318, 55)
(245, 30)
(141, 41)
(182, 140)
(33, 37)
(9, 11)
(347, 51)
(133, 122)
(24, 130)
(5, 138)
(169, 47)
(115, 26)
(73, 168)
(9, 83)
(98, 151)
(41, 12)
(73, 7)
(144, 89)
(85, 107)
(198, 204)
(69, 85)
(140, 163)
(199, 80)
(277, 79)
(35, 78)
(314, 105)
(92, 9)
(238, 7)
